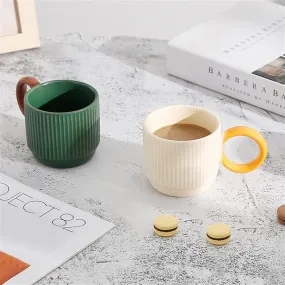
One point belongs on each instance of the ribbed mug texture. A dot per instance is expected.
(181, 168)
(62, 137)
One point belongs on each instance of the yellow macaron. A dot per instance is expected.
(165, 225)
(219, 234)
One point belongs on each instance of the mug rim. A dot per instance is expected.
(218, 128)
(62, 80)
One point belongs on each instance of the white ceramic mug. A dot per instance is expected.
(185, 168)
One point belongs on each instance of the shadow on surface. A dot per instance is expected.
(146, 54)
(13, 144)
(274, 162)
(114, 163)
(150, 55)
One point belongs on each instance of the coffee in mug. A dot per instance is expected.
(183, 146)
(182, 132)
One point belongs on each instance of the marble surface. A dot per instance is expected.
(130, 77)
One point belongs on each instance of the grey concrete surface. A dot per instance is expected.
(130, 77)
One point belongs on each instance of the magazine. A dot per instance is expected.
(39, 233)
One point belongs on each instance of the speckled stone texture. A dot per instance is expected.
(130, 77)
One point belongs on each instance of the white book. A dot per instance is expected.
(240, 52)
(39, 233)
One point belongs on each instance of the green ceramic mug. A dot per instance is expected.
(62, 120)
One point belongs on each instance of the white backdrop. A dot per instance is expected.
(148, 19)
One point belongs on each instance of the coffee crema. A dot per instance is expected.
(182, 132)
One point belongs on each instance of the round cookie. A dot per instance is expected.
(219, 234)
(281, 215)
(165, 225)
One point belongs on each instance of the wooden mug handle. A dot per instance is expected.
(21, 89)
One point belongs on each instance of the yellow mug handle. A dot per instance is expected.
(257, 137)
